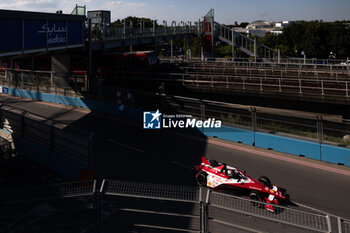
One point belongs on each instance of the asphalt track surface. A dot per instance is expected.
(123, 150)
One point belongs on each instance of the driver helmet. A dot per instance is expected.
(229, 173)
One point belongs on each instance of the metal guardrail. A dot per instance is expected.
(343, 225)
(154, 191)
(242, 63)
(63, 190)
(282, 214)
(53, 208)
(150, 206)
(45, 81)
(255, 84)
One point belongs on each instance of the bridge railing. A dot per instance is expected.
(130, 33)
(247, 45)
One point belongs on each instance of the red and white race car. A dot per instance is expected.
(221, 177)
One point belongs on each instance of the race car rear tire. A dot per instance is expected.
(201, 178)
(255, 196)
(265, 180)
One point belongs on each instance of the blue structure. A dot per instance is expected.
(29, 32)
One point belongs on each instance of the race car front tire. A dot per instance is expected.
(255, 196)
(201, 178)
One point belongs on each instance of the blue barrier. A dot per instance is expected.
(337, 155)
(231, 134)
(78, 102)
(293, 146)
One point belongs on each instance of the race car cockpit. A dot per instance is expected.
(234, 174)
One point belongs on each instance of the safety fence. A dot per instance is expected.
(67, 207)
(133, 206)
(319, 128)
(229, 209)
(321, 85)
(343, 225)
(57, 140)
(337, 73)
(317, 89)
(218, 64)
(141, 206)
(45, 81)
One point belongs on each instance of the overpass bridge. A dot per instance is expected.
(36, 32)
(207, 28)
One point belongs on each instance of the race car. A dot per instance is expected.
(221, 177)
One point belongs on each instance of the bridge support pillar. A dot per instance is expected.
(255, 50)
(60, 66)
(233, 44)
(171, 51)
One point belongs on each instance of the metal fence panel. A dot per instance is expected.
(345, 226)
(156, 207)
(65, 190)
(156, 191)
(127, 213)
(282, 214)
(67, 207)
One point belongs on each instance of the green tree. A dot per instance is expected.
(316, 39)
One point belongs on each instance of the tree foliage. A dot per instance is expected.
(135, 22)
(316, 39)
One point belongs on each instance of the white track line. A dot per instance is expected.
(182, 165)
(320, 211)
(125, 146)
